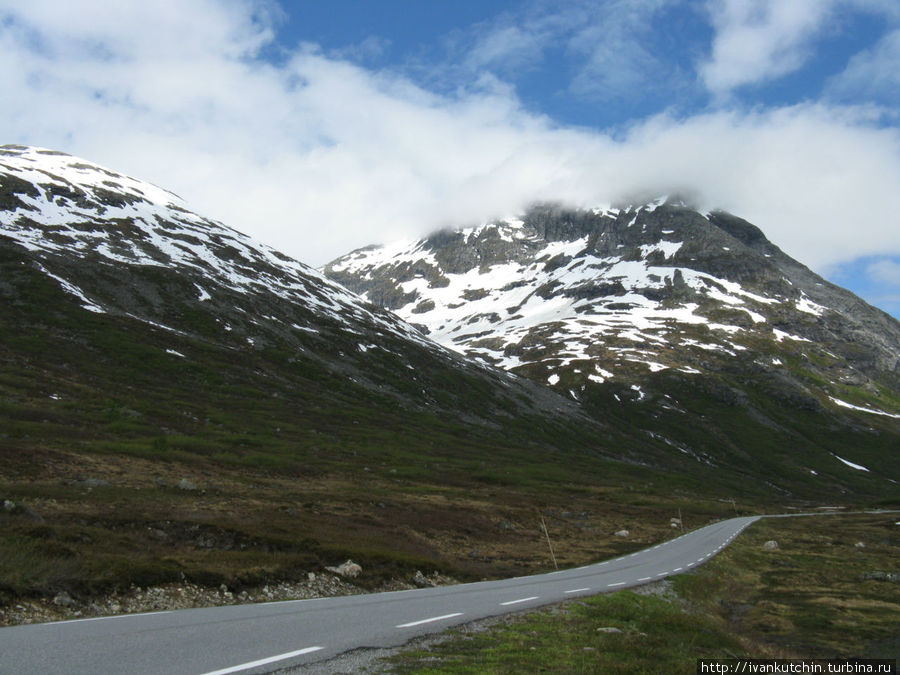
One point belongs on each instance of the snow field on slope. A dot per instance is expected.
(168, 235)
(510, 313)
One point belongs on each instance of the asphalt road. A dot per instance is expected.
(261, 638)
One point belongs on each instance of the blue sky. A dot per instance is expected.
(322, 127)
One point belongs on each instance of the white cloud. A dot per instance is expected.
(756, 41)
(317, 156)
(821, 182)
(759, 40)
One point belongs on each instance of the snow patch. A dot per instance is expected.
(872, 411)
(858, 467)
(804, 304)
(203, 294)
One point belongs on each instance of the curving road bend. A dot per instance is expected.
(252, 639)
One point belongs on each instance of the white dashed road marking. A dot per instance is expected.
(434, 618)
(262, 662)
(516, 602)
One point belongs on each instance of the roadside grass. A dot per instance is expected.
(809, 598)
(655, 636)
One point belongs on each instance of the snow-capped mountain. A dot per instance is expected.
(618, 293)
(691, 327)
(128, 249)
(671, 341)
(56, 205)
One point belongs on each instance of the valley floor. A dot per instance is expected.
(830, 589)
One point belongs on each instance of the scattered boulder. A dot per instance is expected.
(622, 533)
(63, 599)
(609, 629)
(892, 577)
(422, 581)
(859, 544)
(771, 545)
(346, 569)
(310, 576)
(185, 484)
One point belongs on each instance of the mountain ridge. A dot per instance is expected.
(647, 314)
(675, 269)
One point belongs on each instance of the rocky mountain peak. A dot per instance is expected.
(582, 296)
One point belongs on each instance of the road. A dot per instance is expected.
(251, 639)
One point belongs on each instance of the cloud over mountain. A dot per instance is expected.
(201, 96)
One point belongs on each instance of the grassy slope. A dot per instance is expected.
(296, 466)
(807, 599)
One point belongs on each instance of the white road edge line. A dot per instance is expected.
(516, 602)
(434, 618)
(577, 590)
(262, 662)
(105, 618)
(645, 579)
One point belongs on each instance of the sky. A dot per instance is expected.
(319, 128)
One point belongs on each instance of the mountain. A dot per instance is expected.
(180, 402)
(177, 400)
(127, 250)
(691, 328)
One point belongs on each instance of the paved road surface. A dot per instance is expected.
(251, 639)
